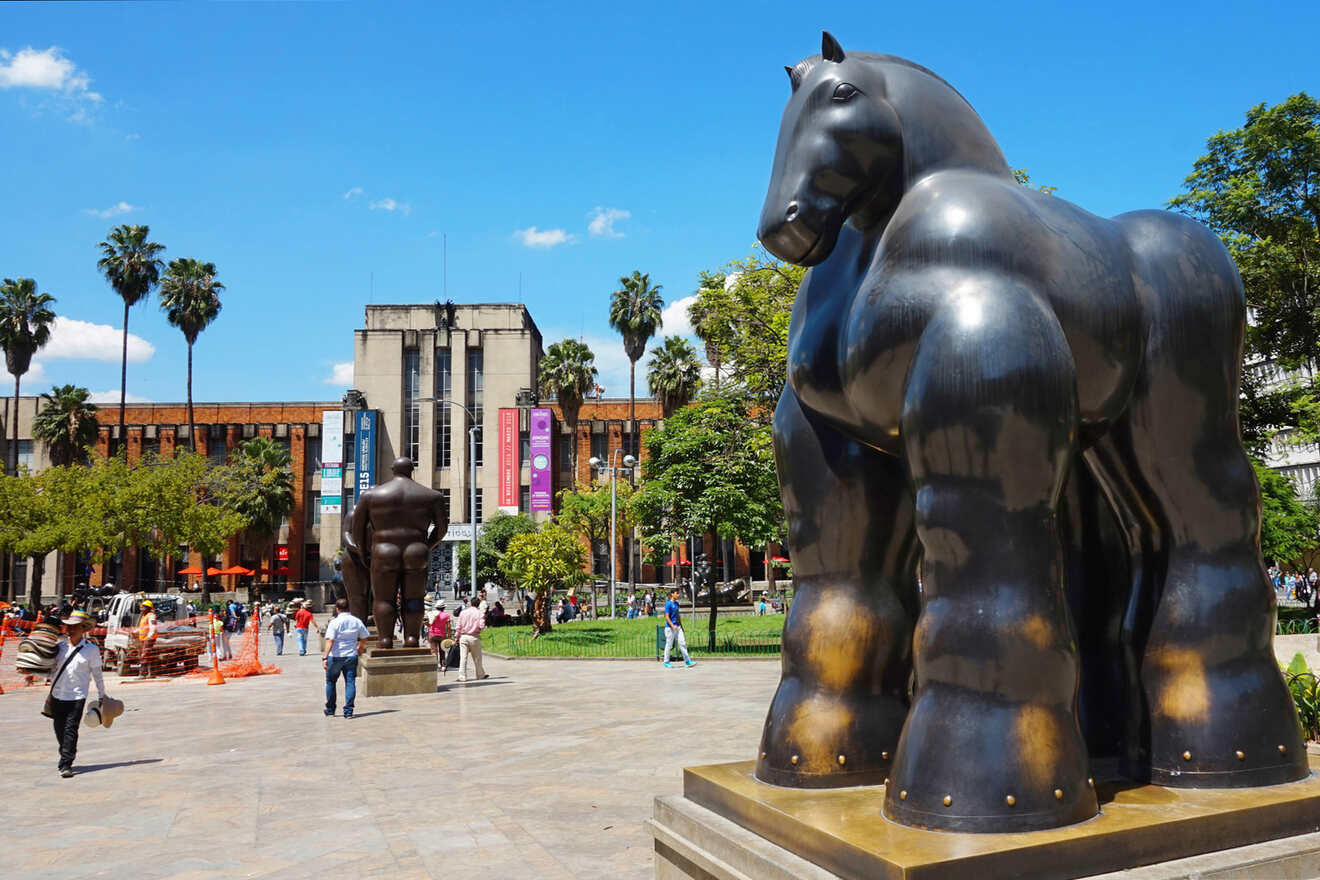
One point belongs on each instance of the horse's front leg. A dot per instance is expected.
(842, 697)
(989, 428)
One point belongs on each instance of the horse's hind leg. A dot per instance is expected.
(842, 696)
(1220, 714)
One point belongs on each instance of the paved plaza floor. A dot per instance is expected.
(545, 770)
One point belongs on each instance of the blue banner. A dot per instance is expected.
(365, 454)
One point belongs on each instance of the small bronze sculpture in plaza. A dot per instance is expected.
(1038, 407)
(387, 546)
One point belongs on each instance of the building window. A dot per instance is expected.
(411, 408)
(600, 445)
(444, 493)
(524, 446)
(313, 510)
(216, 452)
(524, 499)
(566, 452)
(476, 383)
(481, 497)
(312, 456)
(444, 424)
(25, 458)
(151, 447)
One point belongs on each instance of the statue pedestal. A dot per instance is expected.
(729, 826)
(388, 672)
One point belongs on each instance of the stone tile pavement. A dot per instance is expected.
(546, 770)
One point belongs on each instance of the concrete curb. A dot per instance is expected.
(700, 660)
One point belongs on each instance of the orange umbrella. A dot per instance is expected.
(192, 569)
(213, 571)
(237, 569)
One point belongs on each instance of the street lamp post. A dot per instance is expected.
(472, 481)
(628, 463)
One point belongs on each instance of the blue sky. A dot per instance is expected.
(319, 153)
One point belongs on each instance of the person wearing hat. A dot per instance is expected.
(147, 637)
(77, 664)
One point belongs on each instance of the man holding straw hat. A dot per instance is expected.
(77, 663)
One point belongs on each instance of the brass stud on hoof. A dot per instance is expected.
(763, 756)
(1058, 794)
(902, 795)
(1283, 750)
(794, 760)
(1010, 800)
(842, 760)
(1187, 756)
(886, 782)
(884, 756)
(1090, 782)
(1241, 755)
(947, 800)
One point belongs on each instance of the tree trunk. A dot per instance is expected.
(769, 571)
(12, 559)
(38, 571)
(123, 380)
(192, 425)
(540, 614)
(635, 450)
(715, 599)
(18, 378)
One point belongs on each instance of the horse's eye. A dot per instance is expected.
(844, 92)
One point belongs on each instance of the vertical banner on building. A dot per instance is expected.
(332, 461)
(540, 421)
(509, 460)
(366, 451)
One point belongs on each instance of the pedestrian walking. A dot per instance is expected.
(438, 633)
(674, 630)
(77, 665)
(277, 625)
(470, 624)
(345, 639)
(302, 621)
(147, 633)
(227, 629)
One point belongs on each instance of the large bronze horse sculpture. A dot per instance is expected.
(994, 385)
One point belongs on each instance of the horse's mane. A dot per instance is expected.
(806, 65)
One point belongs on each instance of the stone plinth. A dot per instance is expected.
(728, 825)
(388, 672)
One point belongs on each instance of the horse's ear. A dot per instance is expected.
(789, 70)
(830, 49)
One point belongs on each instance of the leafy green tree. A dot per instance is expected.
(710, 469)
(742, 313)
(635, 312)
(674, 375)
(492, 541)
(1258, 188)
(539, 562)
(1289, 529)
(585, 511)
(131, 263)
(190, 297)
(67, 424)
(258, 485)
(568, 371)
(1022, 177)
(25, 320)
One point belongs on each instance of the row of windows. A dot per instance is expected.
(444, 420)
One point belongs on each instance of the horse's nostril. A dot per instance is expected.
(791, 214)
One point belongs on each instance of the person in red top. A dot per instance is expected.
(439, 632)
(303, 621)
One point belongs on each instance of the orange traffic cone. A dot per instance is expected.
(216, 677)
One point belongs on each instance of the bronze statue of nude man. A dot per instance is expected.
(394, 526)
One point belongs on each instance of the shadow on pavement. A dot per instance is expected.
(377, 712)
(92, 768)
(459, 685)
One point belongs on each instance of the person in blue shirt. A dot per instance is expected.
(674, 630)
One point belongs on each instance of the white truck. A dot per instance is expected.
(178, 643)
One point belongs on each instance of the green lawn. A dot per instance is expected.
(747, 635)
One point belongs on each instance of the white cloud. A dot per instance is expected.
(341, 375)
(542, 238)
(674, 317)
(134, 136)
(354, 191)
(603, 220)
(82, 340)
(112, 397)
(390, 205)
(50, 71)
(114, 210)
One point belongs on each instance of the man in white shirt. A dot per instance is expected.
(345, 637)
(77, 664)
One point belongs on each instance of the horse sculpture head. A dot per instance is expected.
(840, 148)
(858, 130)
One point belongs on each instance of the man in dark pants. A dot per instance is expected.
(345, 639)
(77, 663)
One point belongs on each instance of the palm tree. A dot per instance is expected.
(66, 424)
(710, 328)
(568, 371)
(263, 490)
(132, 265)
(25, 319)
(189, 295)
(635, 312)
(674, 374)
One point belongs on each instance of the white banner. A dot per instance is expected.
(332, 438)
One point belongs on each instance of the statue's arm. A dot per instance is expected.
(356, 536)
(440, 517)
